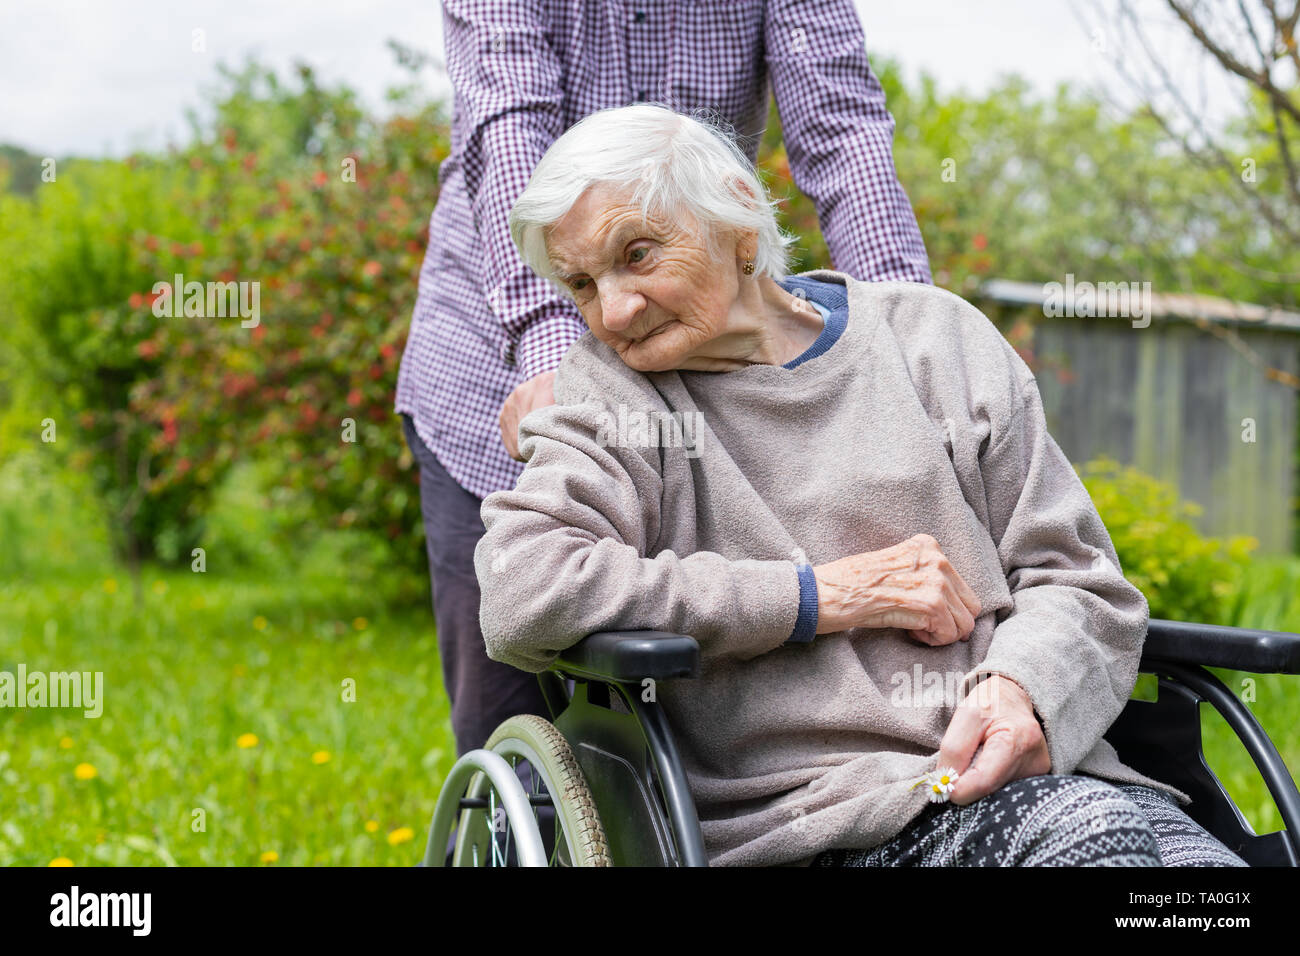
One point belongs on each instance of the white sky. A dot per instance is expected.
(107, 76)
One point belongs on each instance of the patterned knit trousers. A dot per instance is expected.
(1049, 820)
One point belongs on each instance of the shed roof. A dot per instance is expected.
(1168, 305)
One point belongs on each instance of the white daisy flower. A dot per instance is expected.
(939, 783)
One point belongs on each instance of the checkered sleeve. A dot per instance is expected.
(839, 138)
(507, 79)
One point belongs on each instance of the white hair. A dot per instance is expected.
(679, 166)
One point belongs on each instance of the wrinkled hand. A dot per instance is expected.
(528, 395)
(998, 716)
(911, 586)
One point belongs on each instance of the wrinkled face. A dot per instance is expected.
(651, 292)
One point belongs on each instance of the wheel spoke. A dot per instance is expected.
(491, 811)
(532, 790)
(492, 829)
(508, 828)
(537, 788)
(559, 845)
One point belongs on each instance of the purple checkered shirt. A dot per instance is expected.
(523, 72)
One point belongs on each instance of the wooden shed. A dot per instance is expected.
(1202, 392)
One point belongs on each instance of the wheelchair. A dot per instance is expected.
(606, 773)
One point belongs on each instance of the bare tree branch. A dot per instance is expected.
(1216, 158)
(1262, 79)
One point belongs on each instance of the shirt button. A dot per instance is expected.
(640, 16)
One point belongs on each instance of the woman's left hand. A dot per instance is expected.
(999, 716)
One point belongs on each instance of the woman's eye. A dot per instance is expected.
(635, 256)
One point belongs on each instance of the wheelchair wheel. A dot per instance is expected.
(484, 834)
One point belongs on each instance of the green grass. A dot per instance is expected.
(185, 675)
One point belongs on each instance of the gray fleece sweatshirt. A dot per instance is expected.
(682, 501)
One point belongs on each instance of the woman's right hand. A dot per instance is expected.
(910, 586)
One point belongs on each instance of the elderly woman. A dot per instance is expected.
(845, 491)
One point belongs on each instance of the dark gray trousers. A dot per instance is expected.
(483, 692)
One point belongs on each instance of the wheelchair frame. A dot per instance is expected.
(625, 747)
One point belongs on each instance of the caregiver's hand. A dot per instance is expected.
(998, 715)
(910, 586)
(527, 396)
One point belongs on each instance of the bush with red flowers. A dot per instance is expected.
(293, 201)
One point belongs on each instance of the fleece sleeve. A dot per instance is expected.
(1074, 638)
(567, 552)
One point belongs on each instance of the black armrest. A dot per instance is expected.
(630, 656)
(1212, 645)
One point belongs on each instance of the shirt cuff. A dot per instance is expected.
(805, 626)
(545, 341)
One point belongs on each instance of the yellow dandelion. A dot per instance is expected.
(240, 670)
(85, 771)
(359, 623)
(110, 585)
(400, 835)
(259, 622)
(99, 837)
(246, 740)
(320, 757)
(197, 603)
(65, 743)
(61, 861)
(270, 856)
(372, 826)
(160, 587)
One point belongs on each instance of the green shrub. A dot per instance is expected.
(258, 527)
(67, 270)
(294, 191)
(1184, 575)
(50, 519)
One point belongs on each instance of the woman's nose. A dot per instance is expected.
(619, 307)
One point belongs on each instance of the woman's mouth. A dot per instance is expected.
(659, 329)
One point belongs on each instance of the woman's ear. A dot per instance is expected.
(746, 241)
(741, 188)
(747, 246)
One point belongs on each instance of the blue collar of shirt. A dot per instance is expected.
(834, 302)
